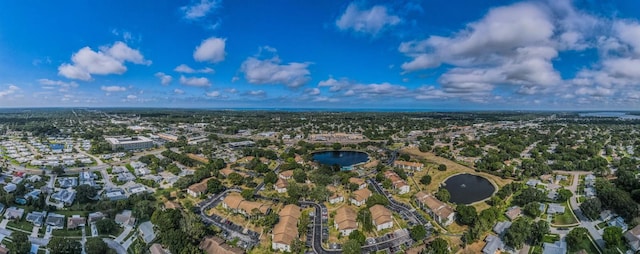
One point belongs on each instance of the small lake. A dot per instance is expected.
(468, 188)
(345, 159)
(619, 115)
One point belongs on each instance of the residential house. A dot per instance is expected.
(237, 204)
(606, 215)
(286, 175)
(360, 197)
(146, 231)
(55, 221)
(381, 217)
(618, 222)
(125, 218)
(494, 245)
(65, 196)
(438, 210)
(76, 221)
(156, 249)
(513, 212)
(93, 217)
(10, 187)
(555, 209)
(281, 185)
(345, 220)
(398, 183)
(559, 247)
(416, 166)
(287, 228)
(361, 183)
(633, 238)
(215, 245)
(335, 197)
(37, 218)
(590, 180)
(197, 189)
(67, 182)
(501, 227)
(533, 182)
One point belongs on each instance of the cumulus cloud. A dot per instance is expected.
(256, 93)
(368, 21)
(178, 91)
(272, 71)
(199, 9)
(183, 68)
(12, 89)
(107, 60)
(210, 50)
(111, 89)
(195, 81)
(164, 78)
(213, 94)
(132, 97)
(346, 87)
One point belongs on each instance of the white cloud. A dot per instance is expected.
(213, 94)
(108, 60)
(178, 91)
(313, 91)
(210, 50)
(256, 93)
(111, 89)
(64, 86)
(164, 78)
(132, 97)
(183, 68)
(271, 71)
(195, 81)
(199, 9)
(12, 89)
(347, 87)
(369, 21)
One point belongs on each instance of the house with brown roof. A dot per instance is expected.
(171, 205)
(416, 166)
(358, 181)
(438, 210)
(286, 175)
(381, 217)
(197, 189)
(513, 212)
(281, 185)
(156, 249)
(335, 197)
(76, 221)
(633, 238)
(287, 228)
(398, 183)
(237, 204)
(360, 197)
(215, 245)
(345, 220)
(4, 249)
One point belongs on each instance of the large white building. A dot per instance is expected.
(130, 143)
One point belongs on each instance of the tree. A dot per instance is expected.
(358, 236)
(466, 215)
(299, 175)
(214, 186)
(591, 207)
(106, 226)
(377, 199)
(538, 230)
(297, 246)
(270, 178)
(443, 195)
(351, 247)
(58, 170)
(575, 236)
(438, 246)
(426, 180)
(364, 218)
(612, 236)
(564, 195)
(60, 245)
(96, 246)
(518, 233)
(247, 194)
(418, 232)
(532, 209)
(235, 178)
(20, 242)
(529, 195)
(336, 146)
(442, 167)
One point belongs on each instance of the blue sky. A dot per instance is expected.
(538, 55)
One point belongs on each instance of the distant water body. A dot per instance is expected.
(619, 115)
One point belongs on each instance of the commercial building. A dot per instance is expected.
(129, 143)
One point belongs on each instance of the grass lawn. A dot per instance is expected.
(587, 245)
(64, 232)
(535, 250)
(602, 224)
(24, 225)
(550, 238)
(581, 199)
(567, 218)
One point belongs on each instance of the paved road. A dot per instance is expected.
(406, 211)
(573, 201)
(114, 246)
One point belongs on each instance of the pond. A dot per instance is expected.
(468, 188)
(344, 159)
